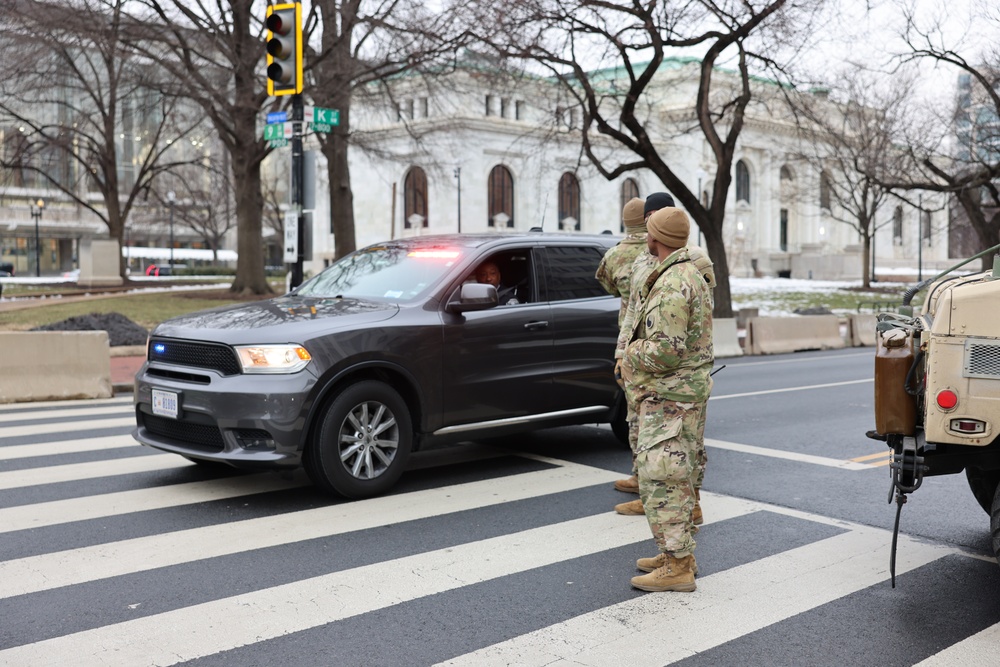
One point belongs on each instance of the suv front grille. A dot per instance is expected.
(212, 356)
(982, 360)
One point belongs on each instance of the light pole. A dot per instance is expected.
(700, 173)
(36, 213)
(170, 202)
(458, 176)
(920, 237)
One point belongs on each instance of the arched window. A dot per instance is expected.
(786, 174)
(415, 199)
(897, 226)
(501, 197)
(630, 190)
(569, 202)
(824, 191)
(742, 182)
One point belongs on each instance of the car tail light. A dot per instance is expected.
(970, 426)
(947, 399)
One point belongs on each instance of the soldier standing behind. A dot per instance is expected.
(614, 274)
(665, 368)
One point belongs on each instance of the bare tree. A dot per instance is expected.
(850, 137)
(566, 37)
(959, 154)
(362, 44)
(87, 106)
(214, 53)
(203, 202)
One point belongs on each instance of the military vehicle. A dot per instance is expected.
(937, 388)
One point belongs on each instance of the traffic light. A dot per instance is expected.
(284, 49)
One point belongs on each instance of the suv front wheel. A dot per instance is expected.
(363, 441)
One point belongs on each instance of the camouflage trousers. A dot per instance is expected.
(632, 419)
(669, 465)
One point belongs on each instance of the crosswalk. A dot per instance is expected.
(111, 554)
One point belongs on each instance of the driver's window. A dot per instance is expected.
(510, 273)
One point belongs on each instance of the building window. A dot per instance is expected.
(504, 104)
(415, 199)
(742, 182)
(501, 197)
(425, 108)
(783, 231)
(897, 226)
(785, 174)
(824, 191)
(519, 110)
(489, 105)
(630, 190)
(925, 226)
(569, 202)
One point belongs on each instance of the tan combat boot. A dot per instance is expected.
(631, 508)
(675, 574)
(697, 518)
(657, 561)
(630, 485)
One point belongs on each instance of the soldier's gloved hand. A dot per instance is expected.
(618, 373)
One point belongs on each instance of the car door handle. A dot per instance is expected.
(536, 326)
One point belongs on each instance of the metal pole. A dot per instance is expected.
(699, 203)
(920, 237)
(458, 175)
(874, 229)
(36, 213)
(298, 175)
(170, 200)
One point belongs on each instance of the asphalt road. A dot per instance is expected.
(494, 553)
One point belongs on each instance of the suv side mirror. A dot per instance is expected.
(474, 296)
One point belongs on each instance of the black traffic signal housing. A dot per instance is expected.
(284, 49)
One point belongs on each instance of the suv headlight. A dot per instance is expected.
(272, 358)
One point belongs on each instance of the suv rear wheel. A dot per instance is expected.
(363, 441)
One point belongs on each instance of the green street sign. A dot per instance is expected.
(328, 117)
(274, 131)
(321, 127)
(277, 143)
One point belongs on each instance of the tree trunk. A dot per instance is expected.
(339, 172)
(250, 278)
(866, 258)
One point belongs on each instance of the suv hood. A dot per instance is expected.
(284, 319)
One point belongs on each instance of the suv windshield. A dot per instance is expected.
(389, 272)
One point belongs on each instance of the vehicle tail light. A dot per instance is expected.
(968, 426)
(947, 399)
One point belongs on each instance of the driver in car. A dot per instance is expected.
(489, 273)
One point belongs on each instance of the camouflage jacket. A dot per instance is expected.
(641, 268)
(669, 352)
(615, 270)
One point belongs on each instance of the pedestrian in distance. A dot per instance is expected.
(665, 367)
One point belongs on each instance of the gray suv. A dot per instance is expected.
(391, 348)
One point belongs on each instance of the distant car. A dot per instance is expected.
(155, 270)
(6, 270)
(389, 349)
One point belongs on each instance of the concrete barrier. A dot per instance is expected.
(54, 365)
(776, 335)
(724, 338)
(861, 330)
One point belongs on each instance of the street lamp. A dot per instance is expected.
(458, 176)
(170, 202)
(36, 213)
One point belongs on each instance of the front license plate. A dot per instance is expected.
(165, 403)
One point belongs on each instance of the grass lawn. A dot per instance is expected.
(145, 309)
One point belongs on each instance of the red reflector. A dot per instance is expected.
(947, 399)
(968, 425)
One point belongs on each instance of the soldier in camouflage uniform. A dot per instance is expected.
(614, 274)
(665, 368)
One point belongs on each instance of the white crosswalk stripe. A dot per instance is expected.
(65, 427)
(730, 604)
